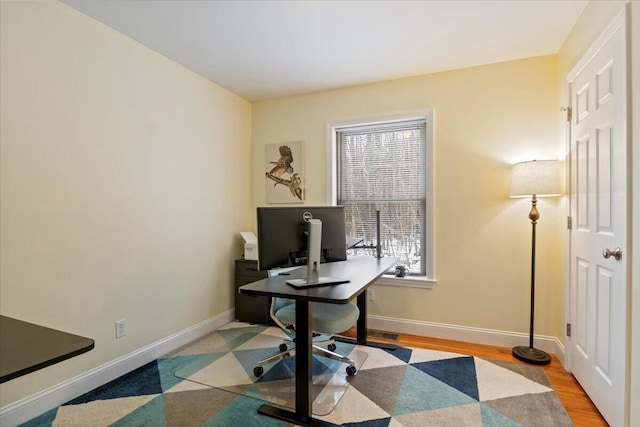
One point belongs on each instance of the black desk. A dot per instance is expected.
(25, 347)
(362, 272)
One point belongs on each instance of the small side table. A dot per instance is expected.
(251, 308)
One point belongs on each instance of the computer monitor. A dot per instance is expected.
(285, 235)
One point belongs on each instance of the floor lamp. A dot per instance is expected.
(537, 178)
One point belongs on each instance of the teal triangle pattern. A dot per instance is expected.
(459, 373)
(187, 365)
(245, 409)
(493, 418)
(402, 353)
(198, 362)
(284, 369)
(422, 392)
(45, 419)
(253, 391)
(142, 381)
(249, 358)
(149, 414)
(235, 337)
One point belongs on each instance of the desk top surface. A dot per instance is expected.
(361, 271)
(26, 347)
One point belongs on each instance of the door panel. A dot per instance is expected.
(582, 183)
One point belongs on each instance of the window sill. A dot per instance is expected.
(407, 281)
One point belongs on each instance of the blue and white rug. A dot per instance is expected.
(406, 387)
(234, 352)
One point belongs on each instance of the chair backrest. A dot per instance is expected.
(277, 304)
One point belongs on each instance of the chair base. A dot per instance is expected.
(318, 348)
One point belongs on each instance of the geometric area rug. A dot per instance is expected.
(405, 387)
(227, 361)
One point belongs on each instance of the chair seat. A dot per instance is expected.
(327, 318)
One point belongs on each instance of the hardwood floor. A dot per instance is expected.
(580, 408)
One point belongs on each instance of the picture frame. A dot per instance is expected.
(284, 172)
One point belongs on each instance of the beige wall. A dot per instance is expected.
(118, 197)
(486, 118)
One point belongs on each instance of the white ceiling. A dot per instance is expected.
(267, 49)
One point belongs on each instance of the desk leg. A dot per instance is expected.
(361, 328)
(362, 319)
(304, 362)
(304, 374)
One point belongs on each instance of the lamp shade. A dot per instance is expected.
(537, 177)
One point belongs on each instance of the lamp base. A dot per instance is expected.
(531, 355)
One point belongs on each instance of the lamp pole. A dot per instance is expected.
(534, 215)
(531, 354)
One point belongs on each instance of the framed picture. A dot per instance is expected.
(284, 172)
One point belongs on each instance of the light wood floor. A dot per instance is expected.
(580, 408)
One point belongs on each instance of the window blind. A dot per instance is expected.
(383, 167)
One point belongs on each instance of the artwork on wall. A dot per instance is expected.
(284, 175)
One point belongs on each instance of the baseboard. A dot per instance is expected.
(465, 333)
(25, 409)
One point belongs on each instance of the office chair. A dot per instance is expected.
(328, 319)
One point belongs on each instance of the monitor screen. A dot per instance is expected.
(282, 235)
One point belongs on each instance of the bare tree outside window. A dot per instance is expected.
(382, 167)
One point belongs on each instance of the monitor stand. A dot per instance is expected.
(322, 281)
(314, 250)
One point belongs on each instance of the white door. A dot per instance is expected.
(597, 348)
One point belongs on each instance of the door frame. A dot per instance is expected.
(618, 23)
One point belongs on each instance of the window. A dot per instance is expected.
(386, 166)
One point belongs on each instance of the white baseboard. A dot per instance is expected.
(32, 406)
(465, 333)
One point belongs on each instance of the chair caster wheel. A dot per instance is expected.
(351, 370)
(283, 347)
(331, 347)
(259, 370)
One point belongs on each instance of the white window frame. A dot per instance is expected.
(428, 280)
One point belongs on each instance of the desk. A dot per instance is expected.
(25, 347)
(361, 271)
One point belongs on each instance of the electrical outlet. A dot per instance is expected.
(121, 328)
(370, 295)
